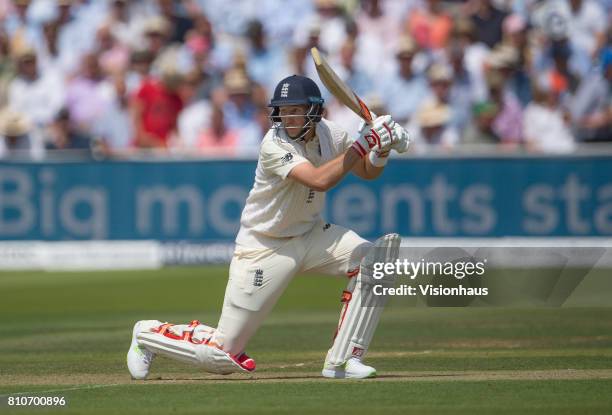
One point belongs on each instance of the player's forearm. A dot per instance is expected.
(330, 173)
(371, 171)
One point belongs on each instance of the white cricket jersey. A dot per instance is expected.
(278, 207)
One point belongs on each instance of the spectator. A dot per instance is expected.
(463, 93)
(38, 94)
(113, 56)
(218, 139)
(379, 28)
(544, 125)
(20, 26)
(487, 21)
(265, 65)
(516, 40)
(157, 34)
(481, 130)
(238, 108)
(430, 25)
(47, 50)
(561, 74)
(474, 55)
(432, 130)
(64, 136)
(114, 130)
(581, 21)
(329, 17)
(179, 24)
(16, 138)
(443, 90)
(155, 108)
(89, 94)
(404, 90)
(508, 122)
(194, 118)
(591, 107)
(139, 69)
(7, 67)
(74, 37)
(504, 60)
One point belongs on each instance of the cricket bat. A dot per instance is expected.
(338, 88)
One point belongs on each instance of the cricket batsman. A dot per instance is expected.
(282, 234)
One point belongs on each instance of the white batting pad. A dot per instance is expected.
(189, 344)
(362, 309)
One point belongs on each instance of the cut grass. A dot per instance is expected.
(68, 333)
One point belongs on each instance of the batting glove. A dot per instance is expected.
(401, 139)
(379, 135)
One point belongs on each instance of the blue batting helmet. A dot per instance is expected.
(297, 90)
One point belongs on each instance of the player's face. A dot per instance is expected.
(293, 117)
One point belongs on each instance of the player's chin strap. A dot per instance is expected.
(190, 343)
(361, 307)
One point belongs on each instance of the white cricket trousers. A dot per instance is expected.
(258, 277)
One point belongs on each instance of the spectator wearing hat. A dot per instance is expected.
(38, 94)
(157, 34)
(16, 138)
(404, 90)
(545, 127)
(444, 90)
(432, 129)
(591, 107)
(481, 130)
(238, 105)
(139, 68)
(504, 59)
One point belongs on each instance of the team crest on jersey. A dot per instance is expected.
(258, 278)
(286, 159)
(311, 196)
(285, 90)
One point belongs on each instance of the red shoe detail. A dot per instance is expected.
(357, 352)
(245, 362)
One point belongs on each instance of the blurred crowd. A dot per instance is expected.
(113, 77)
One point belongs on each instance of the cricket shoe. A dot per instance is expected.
(138, 358)
(352, 369)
